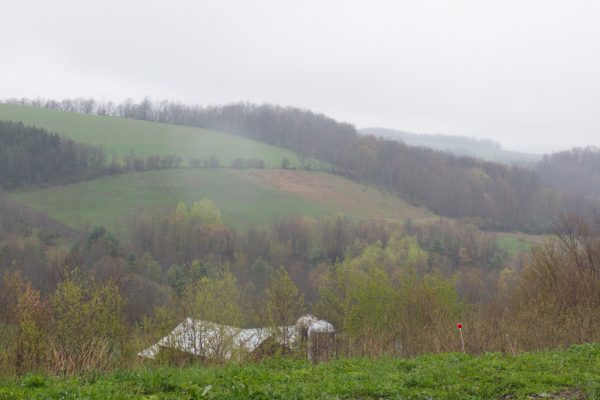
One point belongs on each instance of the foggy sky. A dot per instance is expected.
(523, 72)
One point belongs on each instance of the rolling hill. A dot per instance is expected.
(119, 136)
(245, 197)
(458, 145)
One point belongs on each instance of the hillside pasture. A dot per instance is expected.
(120, 136)
(245, 197)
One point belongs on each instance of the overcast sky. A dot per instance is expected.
(523, 72)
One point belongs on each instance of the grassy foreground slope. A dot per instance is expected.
(245, 197)
(119, 136)
(570, 374)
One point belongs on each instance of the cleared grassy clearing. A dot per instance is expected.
(119, 136)
(245, 197)
(516, 243)
(110, 199)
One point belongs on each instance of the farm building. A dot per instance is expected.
(208, 340)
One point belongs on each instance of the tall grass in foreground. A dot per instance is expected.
(573, 373)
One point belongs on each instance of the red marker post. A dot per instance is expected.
(462, 341)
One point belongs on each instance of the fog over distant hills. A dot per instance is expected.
(520, 72)
(486, 149)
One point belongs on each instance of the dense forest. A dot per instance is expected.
(31, 156)
(576, 170)
(164, 248)
(492, 195)
(92, 303)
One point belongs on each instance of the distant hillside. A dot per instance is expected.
(16, 218)
(494, 195)
(31, 156)
(120, 136)
(485, 149)
(246, 197)
(576, 170)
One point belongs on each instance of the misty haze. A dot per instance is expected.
(315, 200)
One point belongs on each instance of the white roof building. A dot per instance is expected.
(211, 340)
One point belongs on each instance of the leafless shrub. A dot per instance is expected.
(94, 355)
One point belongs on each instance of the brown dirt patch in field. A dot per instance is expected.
(353, 199)
(345, 196)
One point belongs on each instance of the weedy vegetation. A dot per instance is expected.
(570, 374)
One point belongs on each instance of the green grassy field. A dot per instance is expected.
(245, 197)
(110, 199)
(570, 374)
(516, 243)
(119, 136)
